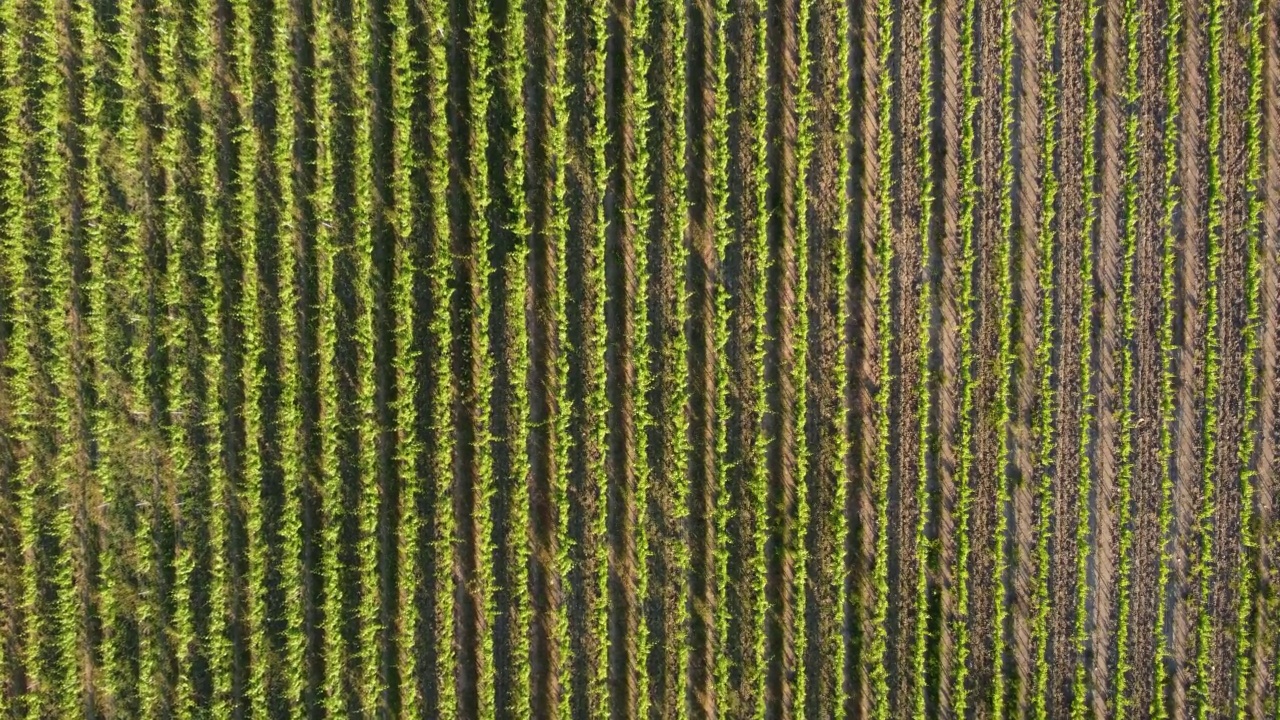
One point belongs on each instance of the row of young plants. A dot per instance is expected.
(255, 299)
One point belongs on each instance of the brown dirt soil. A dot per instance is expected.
(1262, 690)
(305, 150)
(1227, 551)
(944, 571)
(824, 397)
(905, 563)
(991, 387)
(701, 275)
(1145, 485)
(1190, 337)
(1110, 259)
(544, 593)
(742, 270)
(620, 372)
(779, 422)
(864, 363)
(1029, 130)
(683, 579)
(666, 396)
(467, 354)
(584, 599)
(1065, 508)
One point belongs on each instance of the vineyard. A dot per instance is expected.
(640, 359)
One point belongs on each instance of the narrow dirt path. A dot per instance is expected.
(944, 575)
(1063, 576)
(190, 336)
(825, 237)
(230, 584)
(427, 622)
(582, 344)
(533, 74)
(469, 306)
(304, 155)
(869, 294)
(743, 275)
(625, 319)
(384, 238)
(665, 357)
(994, 283)
(345, 601)
(1190, 367)
(779, 420)
(1029, 124)
(698, 281)
(1107, 456)
(1262, 690)
(12, 679)
(1148, 367)
(12, 674)
(1227, 551)
(906, 566)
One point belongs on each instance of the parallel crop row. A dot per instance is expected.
(637, 359)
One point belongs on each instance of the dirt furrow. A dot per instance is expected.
(864, 271)
(430, 639)
(538, 492)
(231, 588)
(946, 278)
(520, 442)
(582, 398)
(304, 155)
(267, 371)
(150, 190)
(905, 563)
(191, 294)
(824, 393)
(1106, 511)
(1190, 363)
(779, 420)
(1004, 163)
(383, 206)
(622, 340)
(1148, 366)
(1227, 552)
(666, 396)
(468, 188)
(701, 273)
(1063, 577)
(343, 613)
(742, 275)
(1026, 262)
(78, 387)
(1262, 700)
(13, 681)
(12, 674)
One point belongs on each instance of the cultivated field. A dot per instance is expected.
(640, 359)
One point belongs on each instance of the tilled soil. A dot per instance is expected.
(638, 360)
(1069, 462)
(1190, 371)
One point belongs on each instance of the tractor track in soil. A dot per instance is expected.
(1000, 150)
(1106, 498)
(910, 273)
(1063, 577)
(1227, 551)
(1262, 690)
(1148, 367)
(1031, 125)
(1190, 333)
